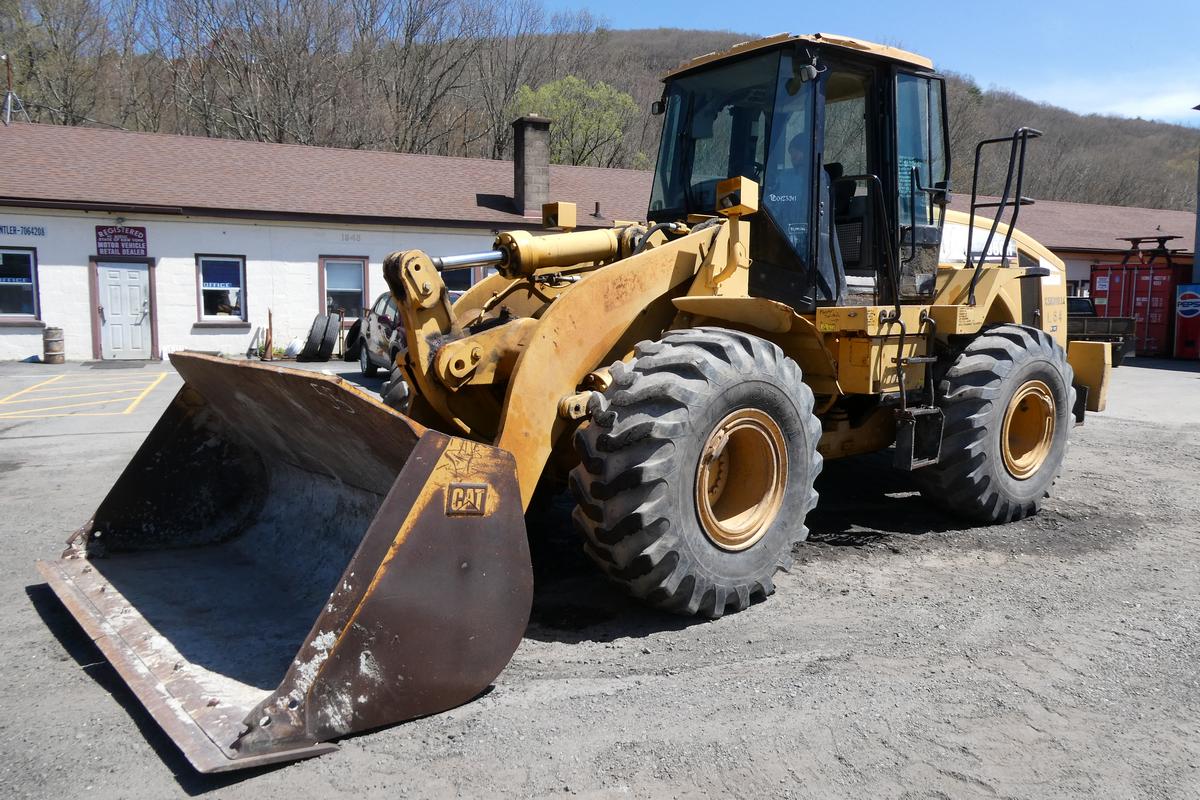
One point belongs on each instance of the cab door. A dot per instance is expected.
(922, 179)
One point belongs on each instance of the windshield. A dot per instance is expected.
(716, 127)
(754, 118)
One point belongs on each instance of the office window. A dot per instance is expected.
(222, 287)
(344, 281)
(18, 283)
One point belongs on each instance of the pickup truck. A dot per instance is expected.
(1084, 325)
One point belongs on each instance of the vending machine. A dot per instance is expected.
(1187, 321)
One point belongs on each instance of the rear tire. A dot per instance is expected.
(697, 470)
(365, 364)
(354, 341)
(1007, 401)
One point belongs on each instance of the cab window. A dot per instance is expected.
(787, 190)
(920, 147)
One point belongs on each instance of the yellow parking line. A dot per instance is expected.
(44, 399)
(30, 388)
(72, 386)
(120, 376)
(21, 412)
(68, 414)
(142, 396)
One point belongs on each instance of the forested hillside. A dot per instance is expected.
(447, 76)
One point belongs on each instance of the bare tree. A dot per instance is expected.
(443, 76)
(62, 44)
(522, 46)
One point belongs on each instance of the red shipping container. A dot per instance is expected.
(1145, 292)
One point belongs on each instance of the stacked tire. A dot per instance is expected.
(322, 339)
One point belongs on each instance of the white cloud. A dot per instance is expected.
(1145, 95)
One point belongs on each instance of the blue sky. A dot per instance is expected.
(1124, 58)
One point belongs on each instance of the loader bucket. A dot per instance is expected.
(286, 560)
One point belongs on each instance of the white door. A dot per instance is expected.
(124, 310)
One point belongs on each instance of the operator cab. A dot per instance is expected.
(847, 141)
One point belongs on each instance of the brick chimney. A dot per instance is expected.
(531, 164)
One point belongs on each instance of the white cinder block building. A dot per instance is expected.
(140, 244)
(137, 245)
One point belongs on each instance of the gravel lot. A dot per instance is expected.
(904, 656)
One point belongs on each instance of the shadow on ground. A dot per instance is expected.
(864, 503)
(573, 601)
(80, 647)
(864, 500)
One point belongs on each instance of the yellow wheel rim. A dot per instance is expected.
(1028, 432)
(741, 478)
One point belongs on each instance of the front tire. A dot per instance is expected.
(1007, 401)
(697, 470)
(395, 392)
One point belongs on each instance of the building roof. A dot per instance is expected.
(1083, 227)
(56, 166)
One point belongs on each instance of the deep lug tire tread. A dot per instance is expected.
(971, 394)
(626, 509)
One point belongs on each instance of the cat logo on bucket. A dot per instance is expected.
(466, 499)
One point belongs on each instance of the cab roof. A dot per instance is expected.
(827, 39)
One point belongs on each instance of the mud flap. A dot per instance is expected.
(286, 561)
(1079, 410)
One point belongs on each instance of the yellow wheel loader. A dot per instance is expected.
(287, 560)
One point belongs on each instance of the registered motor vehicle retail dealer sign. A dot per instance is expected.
(120, 240)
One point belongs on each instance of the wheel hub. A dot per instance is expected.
(741, 478)
(1028, 432)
